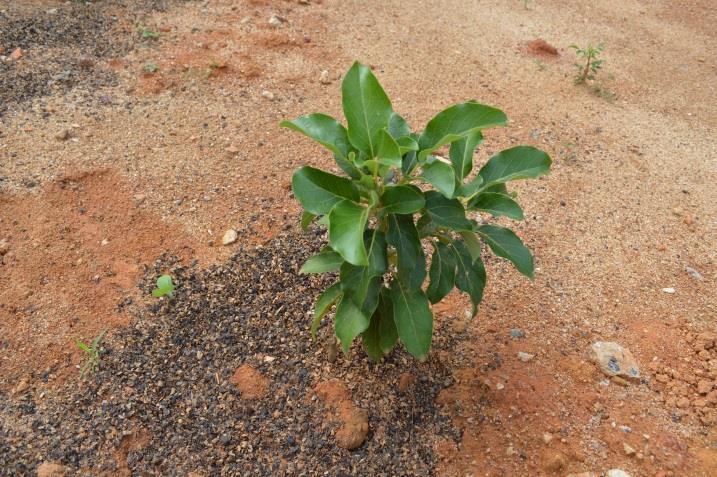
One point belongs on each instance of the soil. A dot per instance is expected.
(117, 149)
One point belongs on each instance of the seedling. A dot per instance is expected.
(397, 193)
(92, 354)
(164, 287)
(591, 65)
(147, 34)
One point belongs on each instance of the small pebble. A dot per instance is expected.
(669, 290)
(230, 236)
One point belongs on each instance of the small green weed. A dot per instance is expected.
(164, 287)
(92, 354)
(588, 69)
(150, 67)
(147, 34)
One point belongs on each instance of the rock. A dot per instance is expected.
(683, 403)
(4, 247)
(324, 77)
(405, 380)
(705, 341)
(547, 437)
(139, 199)
(268, 95)
(617, 473)
(525, 357)
(542, 47)
(517, 333)
(250, 382)
(51, 469)
(694, 273)
(63, 135)
(104, 242)
(614, 360)
(16, 54)
(276, 21)
(230, 236)
(232, 149)
(629, 450)
(555, 461)
(704, 386)
(669, 290)
(22, 386)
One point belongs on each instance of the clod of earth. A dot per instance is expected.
(250, 382)
(354, 421)
(614, 360)
(51, 469)
(542, 48)
(230, 236)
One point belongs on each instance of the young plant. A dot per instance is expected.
(164, 287)
(92, 354)
(589, 68)
(147, 34)
(395, 195)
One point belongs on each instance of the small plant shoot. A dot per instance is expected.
(590, 65)
(164, 287)
(396, 196)
(92, 354)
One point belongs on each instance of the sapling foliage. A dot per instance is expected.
(92, 354)
(590, 63)
(397, 195)
(164, 287)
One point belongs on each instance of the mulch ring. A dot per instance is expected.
(163, 400)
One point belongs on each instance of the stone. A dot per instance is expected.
(324, 77)
(405, 380)
(694, 273)
(268, 95)
(617, 473)
(232, 149)
(16, 54)
(547, 437)
(555, 462)
(21, 386)
(525, 357)
(629, 450)
(230, 236)
(704, 386)
(63, 135)
(669, 290)
(51, 469)
(683, 403)
(614, 360)
(4, 247)
(276, 21)
(517, 333)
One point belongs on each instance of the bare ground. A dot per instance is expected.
(193, 148)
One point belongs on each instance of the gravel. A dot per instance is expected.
(164, 383)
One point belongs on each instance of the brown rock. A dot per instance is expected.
(614, 360)
(542, 47)
(405, 380)
(51, 469)
(16, 54)
(704, 386)
(555, 461)
(63, 135)
(705, 340)
(683, 403)
(250, 382)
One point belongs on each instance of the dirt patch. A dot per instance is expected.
(172, 371)
(250, 382)
(541, 47)
(74, 251)
(353, 421)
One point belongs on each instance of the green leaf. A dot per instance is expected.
(441, 175)
(366, 107)
(306, 218)
(323, 304)
(472, 244)
(425, 226)
(348, 166)
(461, 154)
(504, 243)
(319, 191)
(496, 204)
(325, 261)
(470, 274)
(350, 322)
(407, 144)
(410, 161)
(520, 162)
(447, 212)
(363, 283)
(164, 286)
(402, 199)
(402, 234)
(381, 335)
(442, 273)
(457, 122)
(82, 346)
(470, 188)
(413, 318)
(347, 222)
(397, 126)
(388, 152)
(323, 129)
